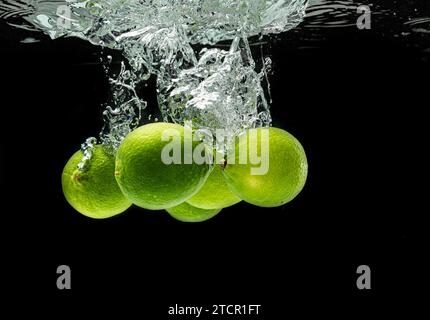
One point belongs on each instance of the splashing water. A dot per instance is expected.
(87, 149)
(222, 91)
(124, 112)
(216, 89)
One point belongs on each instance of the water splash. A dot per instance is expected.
(87, 149)
(222, 91)
(215, 89)
(124, 112)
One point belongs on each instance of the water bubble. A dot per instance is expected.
(216, 89)
(87, 149)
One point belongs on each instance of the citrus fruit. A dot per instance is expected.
(215, 193)
(187, 213)
(93, 191)
(156, 168)
(281, 173)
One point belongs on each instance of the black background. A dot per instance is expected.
(355, 99)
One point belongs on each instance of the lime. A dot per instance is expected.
(278, 176)
(156, 167)
(215, 193)
(93, 191)
(187, 213)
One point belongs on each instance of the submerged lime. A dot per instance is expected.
(285, 162)
(187, 213)
(144, 173)
(215, 193)
(93, 191)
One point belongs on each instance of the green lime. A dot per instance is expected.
(93, 191)
(187, 213)
(156, 167)
(215, 193)
(269, 167)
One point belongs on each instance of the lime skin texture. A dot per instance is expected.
(93, 191)
(146, 180)
(215, 193)
(187, 213)
(286, 174)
